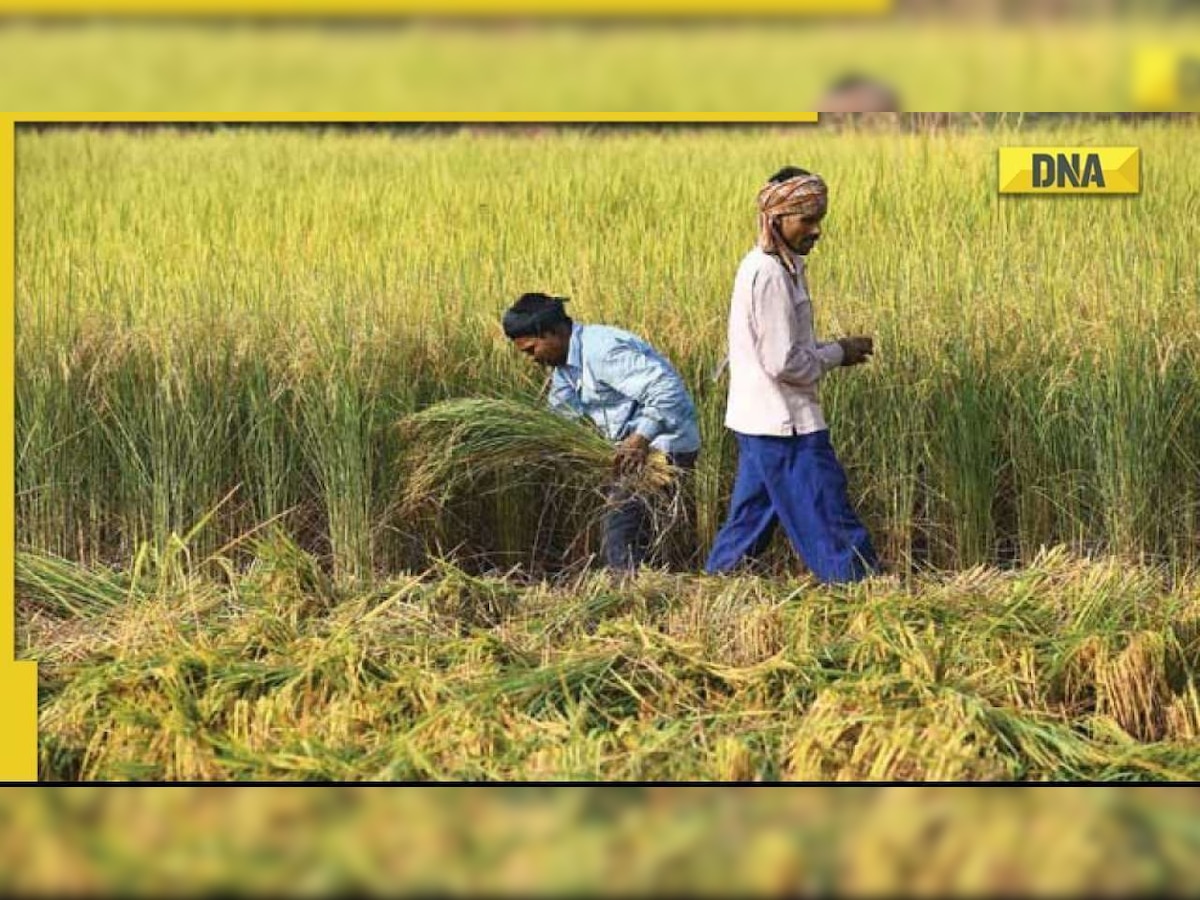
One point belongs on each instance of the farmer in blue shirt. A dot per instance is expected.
(632, 394)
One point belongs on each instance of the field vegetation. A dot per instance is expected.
(219, 331)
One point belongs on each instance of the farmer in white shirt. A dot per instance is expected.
(787, 470)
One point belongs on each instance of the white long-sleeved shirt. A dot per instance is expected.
(775, 360)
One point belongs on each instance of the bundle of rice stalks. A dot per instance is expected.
(484, 445)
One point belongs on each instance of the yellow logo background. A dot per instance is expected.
(1121, 168)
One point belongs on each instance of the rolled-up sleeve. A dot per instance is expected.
(663, 402)
(784, 340)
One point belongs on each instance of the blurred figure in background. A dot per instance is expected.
(855, 93)
(859, 100)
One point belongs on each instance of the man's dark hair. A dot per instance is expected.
(534, 314)
(788, 172)
(536, 301)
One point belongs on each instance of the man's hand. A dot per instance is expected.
(631, 454)
(856, 350)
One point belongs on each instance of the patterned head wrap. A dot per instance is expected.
(806, 195)
(533, 314)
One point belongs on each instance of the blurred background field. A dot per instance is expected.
(624, 841)
(964, 62)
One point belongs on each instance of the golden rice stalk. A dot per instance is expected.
(1134, 688)
(1183, 716)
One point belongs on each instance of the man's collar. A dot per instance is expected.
(799, 262)
(575, 347)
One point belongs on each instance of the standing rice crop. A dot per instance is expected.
(199, 311)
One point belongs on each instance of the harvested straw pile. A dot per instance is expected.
(185, 670)
(481, 445)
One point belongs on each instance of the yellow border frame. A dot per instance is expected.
(18, 680)
(474, 8)
(432, 118)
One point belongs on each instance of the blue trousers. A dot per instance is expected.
(796, 481)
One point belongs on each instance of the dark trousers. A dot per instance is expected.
(628, 524)
(796, 481)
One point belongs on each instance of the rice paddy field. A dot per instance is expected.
(221, 330)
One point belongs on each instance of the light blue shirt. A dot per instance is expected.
(624, 385)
